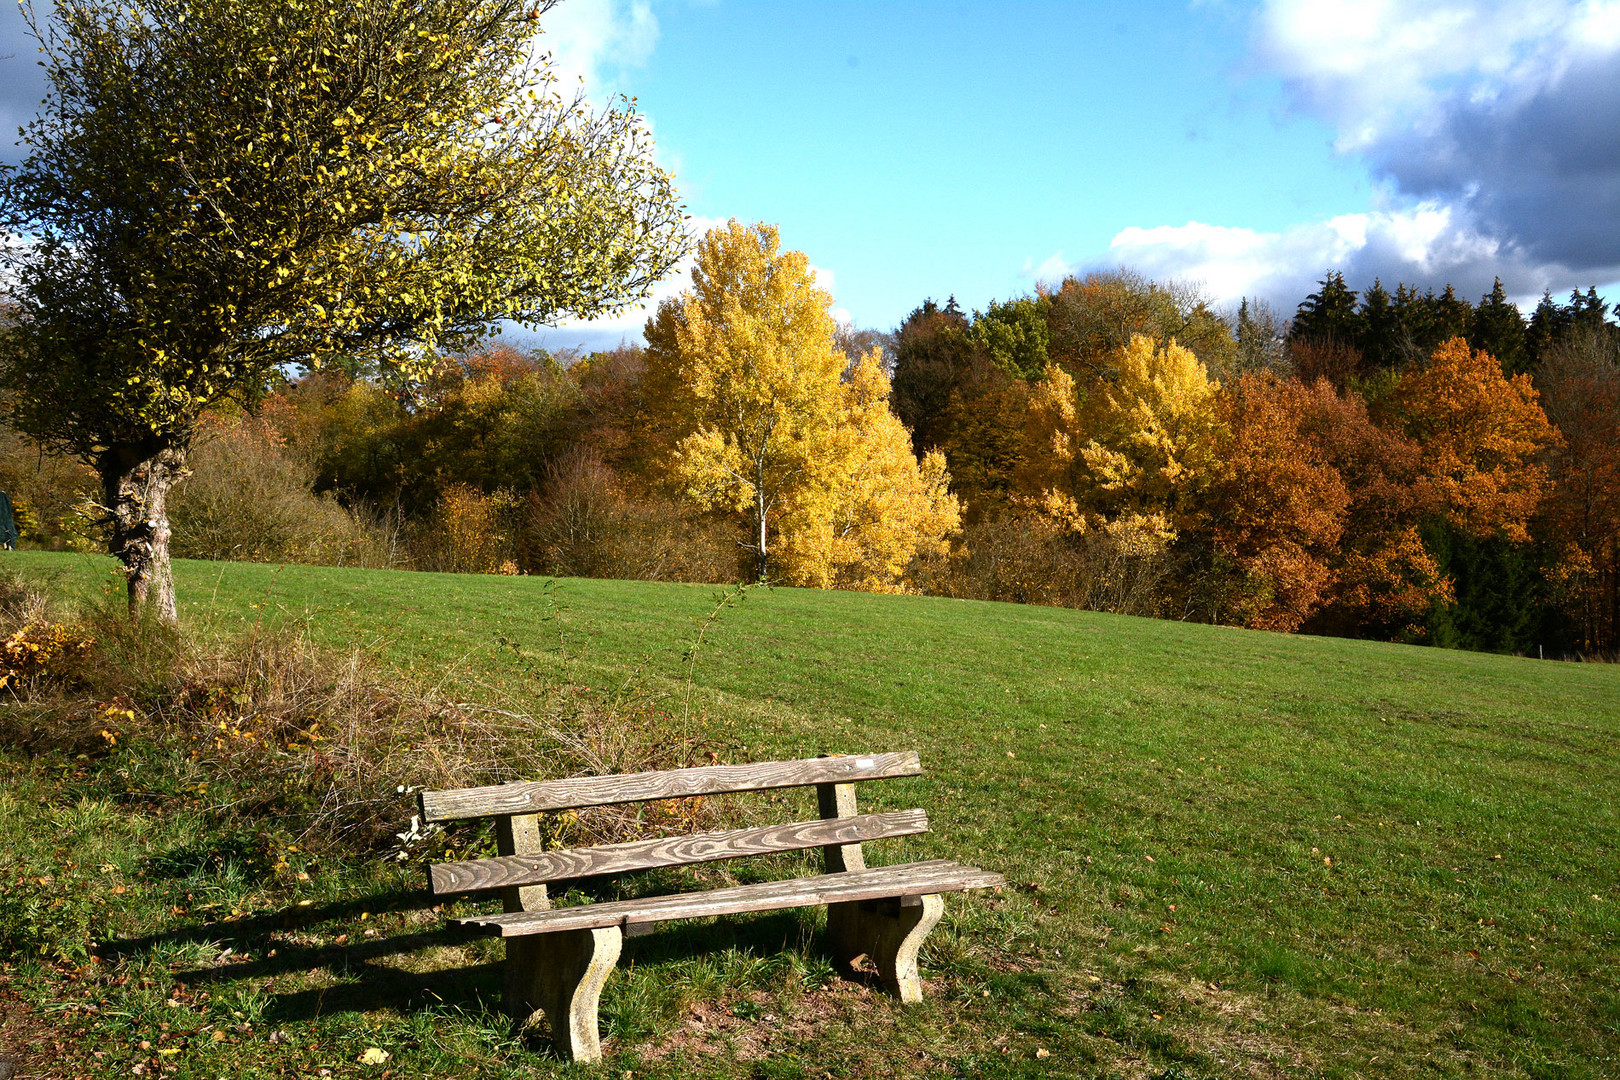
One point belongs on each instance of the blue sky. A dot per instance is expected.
(918, 150)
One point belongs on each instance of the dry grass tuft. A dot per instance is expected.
(331, 746)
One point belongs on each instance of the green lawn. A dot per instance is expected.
(1232, 853)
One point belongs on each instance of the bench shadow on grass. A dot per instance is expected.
(367, 981)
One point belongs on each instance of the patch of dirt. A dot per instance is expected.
(30, 1048)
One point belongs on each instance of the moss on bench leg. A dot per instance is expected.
(562, 974)
(889, 932)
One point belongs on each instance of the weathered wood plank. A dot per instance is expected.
(910, 879)
(546, 795)
(530, 868)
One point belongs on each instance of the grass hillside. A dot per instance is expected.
(1231, 853)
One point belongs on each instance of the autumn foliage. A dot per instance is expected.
(760, 421)
(1367, 469)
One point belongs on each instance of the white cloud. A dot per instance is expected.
(1429, 242)
(1492, 131)
(589, 42)
(1376, 67)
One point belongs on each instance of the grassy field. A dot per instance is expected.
(1231, 853)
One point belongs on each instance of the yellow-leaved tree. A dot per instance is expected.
(1136, 448)
(1117, 462)
(758, 419)
(874, 508)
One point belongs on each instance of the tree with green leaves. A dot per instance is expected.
(1015, 335)
(933, 349)
(217, 191)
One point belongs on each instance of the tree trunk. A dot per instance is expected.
(135, 483)
(761, 509)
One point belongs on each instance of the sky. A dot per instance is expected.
(935, 149)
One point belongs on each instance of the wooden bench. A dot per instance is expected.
(557, 959)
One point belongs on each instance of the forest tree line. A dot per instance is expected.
(1403, 465)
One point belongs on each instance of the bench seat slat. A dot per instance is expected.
(513, 870)
(909, 879)
(546, 795)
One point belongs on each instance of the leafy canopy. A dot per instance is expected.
(762, 422)
(218, 189)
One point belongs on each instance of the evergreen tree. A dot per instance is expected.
(1423, 322)
(1453, 317)
(932, 350)
(1499, 330)
(1381, 342)
(1411, 317)
(1259, 338)
(1501, 599)
(1548, 325)
(1328, 315)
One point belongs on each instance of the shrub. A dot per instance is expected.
(40, 651)
(54, 498)
(587, 524)
(248, 499)
(1120, 567)
(466, 534)
(286, 736)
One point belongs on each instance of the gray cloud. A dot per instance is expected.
(22, 80)
(1491, 129)
(1541, 171)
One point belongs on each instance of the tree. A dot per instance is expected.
(1382, 339)
(1453, 317)
(1140, 446)
(1483, 436)
(982, 435)
(760, 421)
(1091, 318)
(932, 349)
(1278, 508)
(1259, 331)
(217, 190)
(1329, 314)
(1498, 329)
(1014, 335)
(1579, 379)
(1384, 582)
(1548, 325)
(874, 508)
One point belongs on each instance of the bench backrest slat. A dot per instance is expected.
(515, 870)
(545, 795)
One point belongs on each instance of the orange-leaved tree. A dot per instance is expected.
(1484, 437)
(1384, 581)
(1580, 384)
(1279, 506)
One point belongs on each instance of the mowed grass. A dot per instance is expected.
(1230, 853)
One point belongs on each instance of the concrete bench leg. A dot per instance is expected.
(562, 974)
(889, 932)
